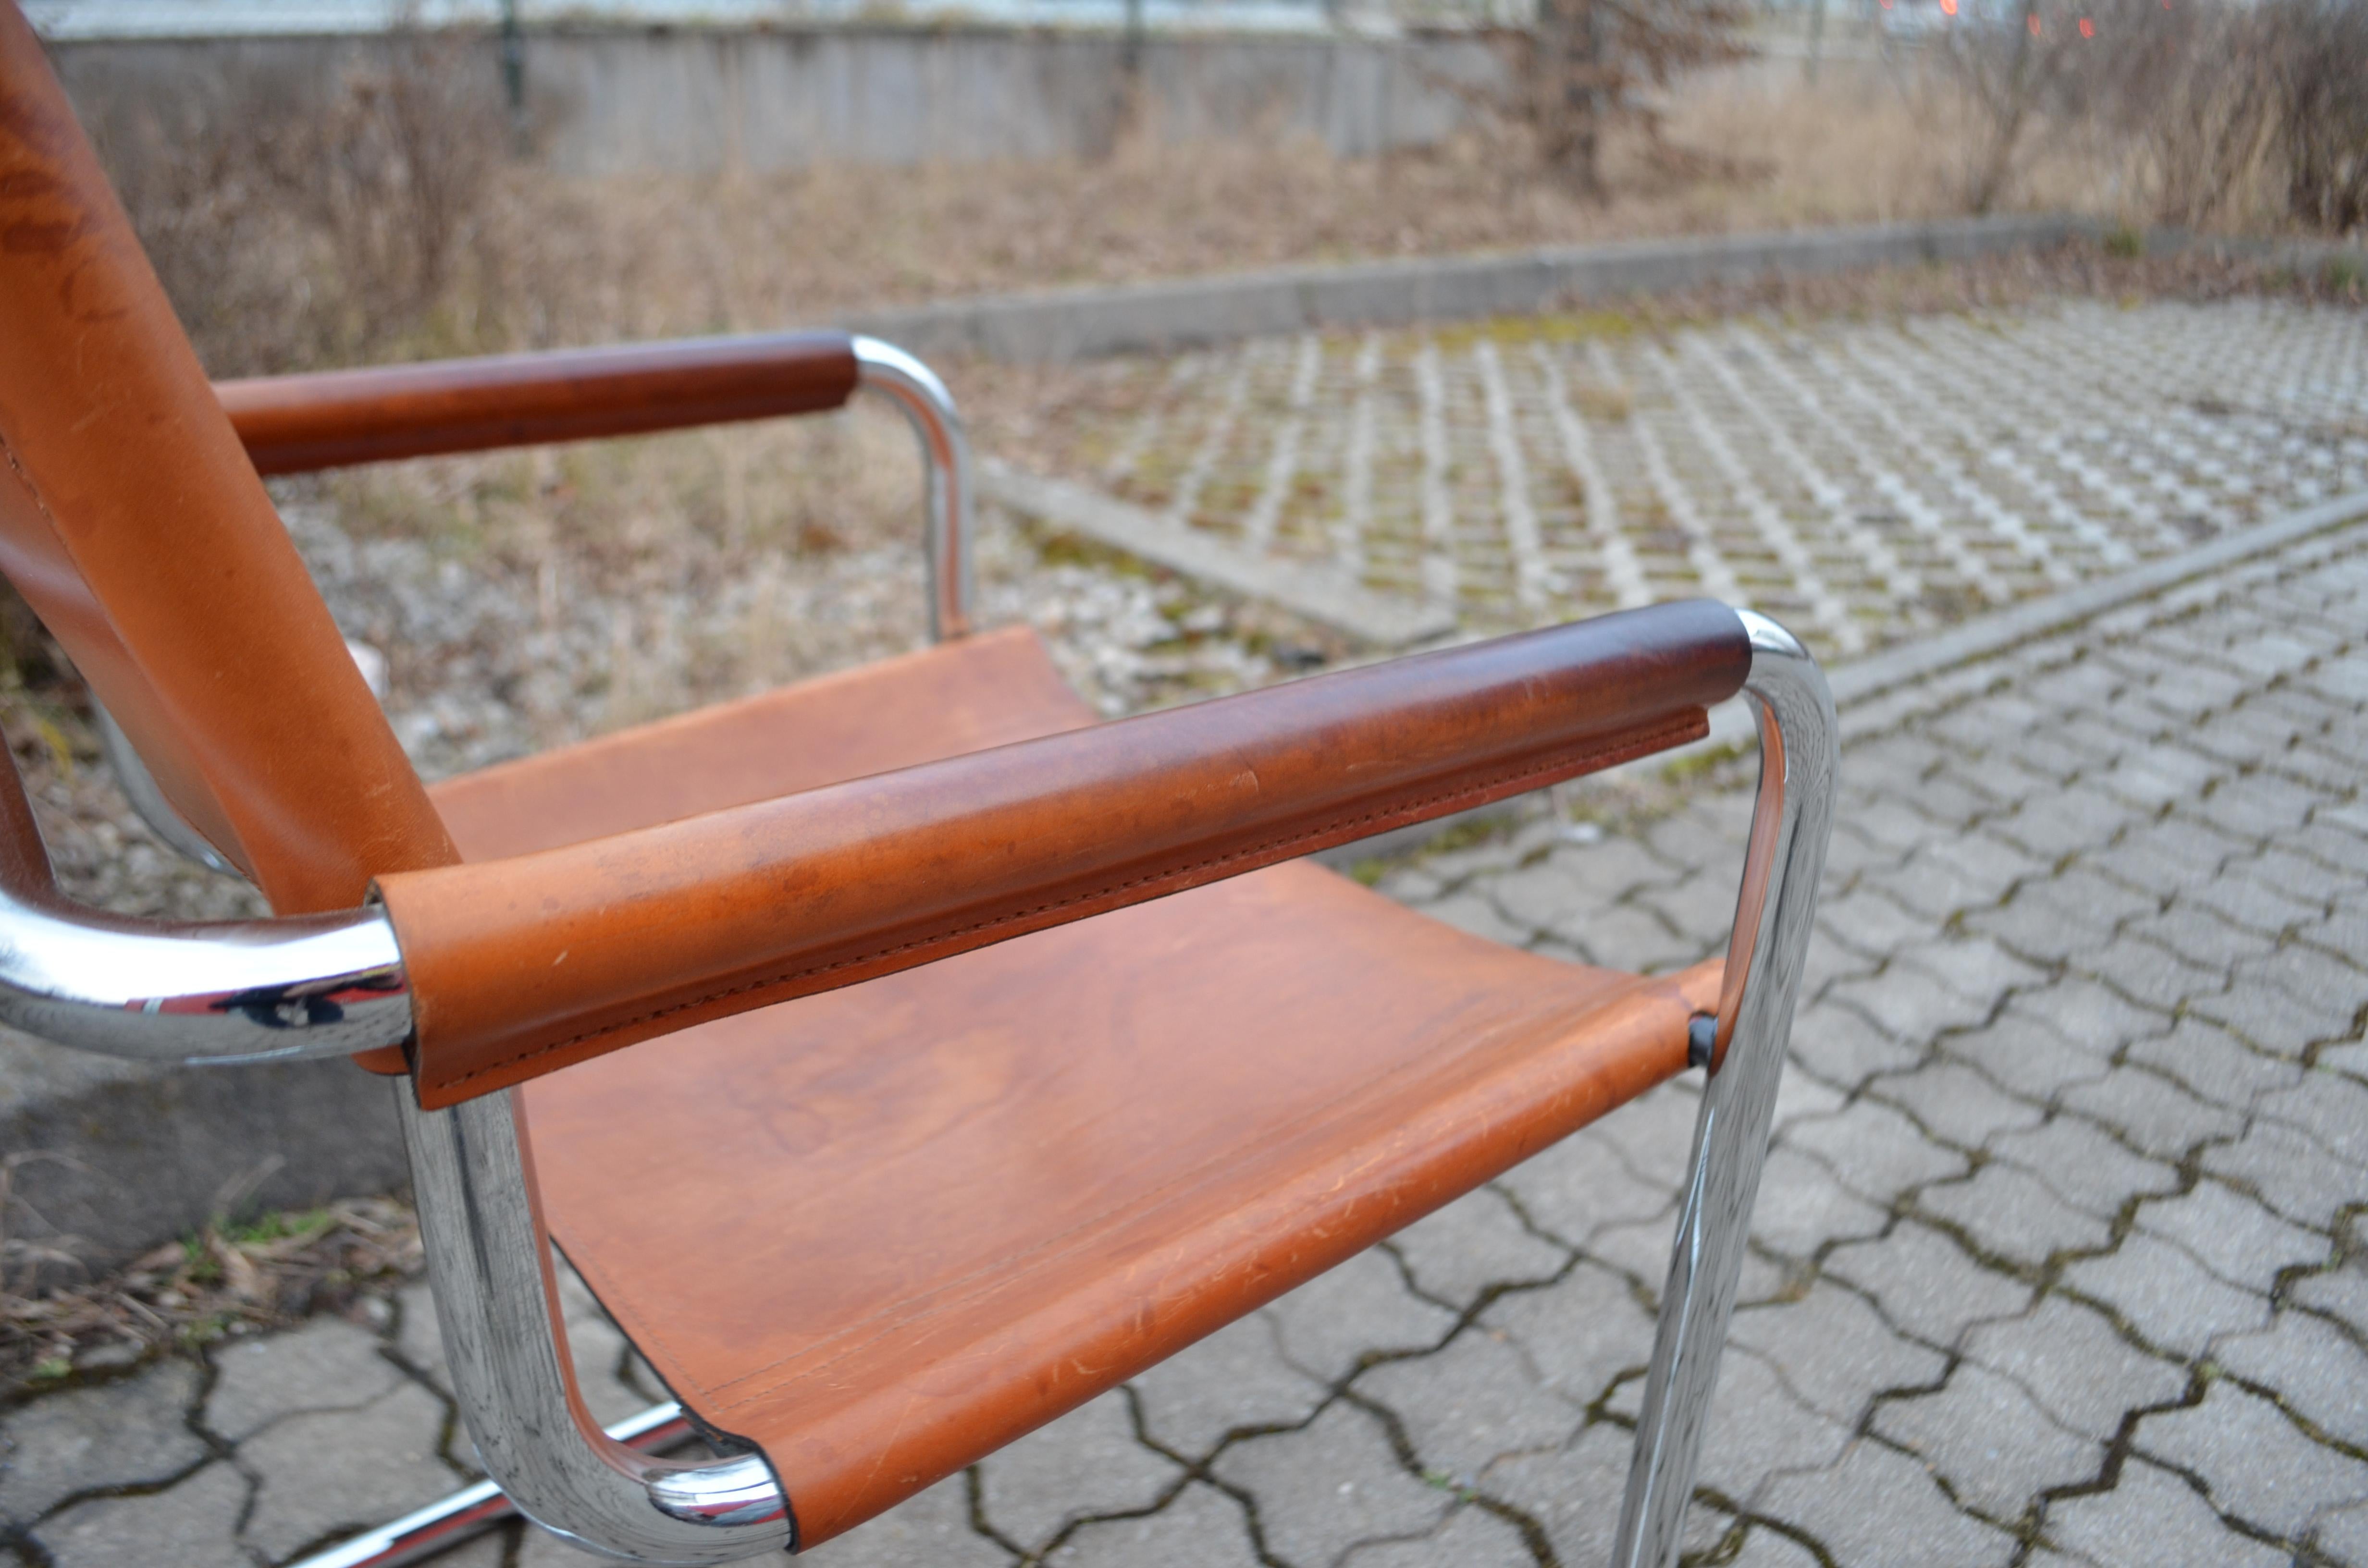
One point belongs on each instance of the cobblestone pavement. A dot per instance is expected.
(2062, 1255)
(1862, 482)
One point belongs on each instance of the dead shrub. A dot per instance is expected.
(2218, 114)
(1586, 69)
(2195, 90)
(299, 219)
(2323, 120)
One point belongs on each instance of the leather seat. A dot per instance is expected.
(1181, 1109)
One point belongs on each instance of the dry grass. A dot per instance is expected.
(225, 1280)
(522, 258)
(1878, 140)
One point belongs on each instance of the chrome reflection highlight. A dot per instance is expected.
(161, 991)
(147, 798)
(139, 788)
(1798, 752)
(473, 1510)
(489, 1264)
(922, 398)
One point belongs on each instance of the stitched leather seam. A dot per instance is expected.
(1639, 746)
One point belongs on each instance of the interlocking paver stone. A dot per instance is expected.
(1926, 1285)
(2151, 973)
(1834, 1350)
(1202, 1528)
(2153, 1114)
(2073, 1366)
(2153, 1518)
(1472, 1244)
(2007, 1212)
(2200, 938)
(2167, 1294)
(2290, 1171)
(2316, 1369)
(328, 1364)
(2215, 1065)
(1333, 1484)
(2342, 1534)
(933, 1529)
(1469, 1403)
(1955, 1104)
(1087, 1463)
(1363, 1308)
(191, 1525)
(1236, 1378)
(1473, 1538)
(1760, 1428)
(1841, 1047)
(1983, 1437)
(307, 1486)
(2235, 1237)
(1576, 1335)
(132, 1432)
(2084, 1164)
(1910, 1004)
(1581, 1185)
(2028, 1058)
(2088, 1014)
(1803, 1208)
(1572, 1493)
(1879, 1506)
(1876, 1152)
(2340, 1293)
(2253, 1461)
(2332, 1108)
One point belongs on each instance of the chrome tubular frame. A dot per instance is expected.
(473, 1510)
(147, 797)
(1799, 747)
(218, 991)
(496, 1301)
(139, 788)
(887, 370)
(321, 985)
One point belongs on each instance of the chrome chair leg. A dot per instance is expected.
(489, 1264)
(1745, 1045)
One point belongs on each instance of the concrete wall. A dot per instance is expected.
(615, 101)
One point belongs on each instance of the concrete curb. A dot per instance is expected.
(1858, 685)
(1076, 323)
(108, 1158)
(1329, 598)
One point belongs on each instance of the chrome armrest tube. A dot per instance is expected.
(212, 992)
(1799, 755)
(948, 539)
(887, 372)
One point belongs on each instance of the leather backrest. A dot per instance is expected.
(132, 522)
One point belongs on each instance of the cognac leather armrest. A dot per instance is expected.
(522, 966)
(297, 424)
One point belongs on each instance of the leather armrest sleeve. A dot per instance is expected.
(522, 966)
(298, 424)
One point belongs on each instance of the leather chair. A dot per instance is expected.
(981, 1054)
